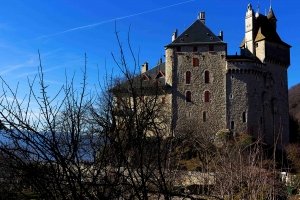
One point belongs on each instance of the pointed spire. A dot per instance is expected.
(250, 11)
(249, 7)
(272, 18)
(271, 14)
(258, 10)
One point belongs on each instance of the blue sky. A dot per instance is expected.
(64, 30)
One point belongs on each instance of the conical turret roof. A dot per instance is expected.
(271, 14)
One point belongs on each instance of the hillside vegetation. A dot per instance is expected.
(294, 101)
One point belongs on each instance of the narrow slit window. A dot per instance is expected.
(232, 125)
(188, 96)
(204, 116)
(206, 77)
(206, 96)
(244, 117)
(188, 76)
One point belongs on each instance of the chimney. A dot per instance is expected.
(201, 17)
(174, 36)
(221, 35)
(144, 67)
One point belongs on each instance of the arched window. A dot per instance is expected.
(206, 96)
(188, 96)
(195, 62)
(206, 77)
(204, 116)
(188, 77)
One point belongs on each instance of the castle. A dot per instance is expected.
(207, 90)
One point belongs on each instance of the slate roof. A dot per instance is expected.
(197, 33)
(149, 81)
(271, 14)
(152, 73)
(264, 30)
(234, 58)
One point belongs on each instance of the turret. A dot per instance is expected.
(249, 31)
(272, 18)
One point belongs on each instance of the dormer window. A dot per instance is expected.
(145, 77)
(160, 75)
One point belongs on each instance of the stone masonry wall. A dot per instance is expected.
(189, 115)
(260, 92)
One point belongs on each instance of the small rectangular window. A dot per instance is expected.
(195, 62)
(211, 47)
(178, 49)
(206, 76)
(188, 96)
(206, 96)
(204, 116)
(188, 76)
(244, 117)
(232, 125)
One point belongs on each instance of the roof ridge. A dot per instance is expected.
(197, 32)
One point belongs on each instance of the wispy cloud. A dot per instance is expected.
(29, 64)
(11, 68)
(113, 20)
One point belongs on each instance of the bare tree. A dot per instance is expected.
(118, 144)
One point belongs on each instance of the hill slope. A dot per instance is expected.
(294, 101)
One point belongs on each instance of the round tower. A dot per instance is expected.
(249, 31)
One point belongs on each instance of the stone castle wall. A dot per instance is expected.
(189, 116)
(257, 100)
(244, 90)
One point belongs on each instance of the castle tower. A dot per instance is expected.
(249, 31)
(266, 101)
(195, 68)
